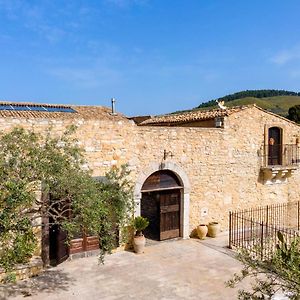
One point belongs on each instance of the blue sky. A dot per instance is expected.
(153, 56)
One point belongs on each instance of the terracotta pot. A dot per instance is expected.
(139, 244)
(213, 229)
(202, 231)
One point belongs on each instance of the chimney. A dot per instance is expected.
(113, 106)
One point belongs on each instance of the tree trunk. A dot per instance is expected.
(45, 242)
(45, 233)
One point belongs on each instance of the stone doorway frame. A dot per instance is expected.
(185, 195)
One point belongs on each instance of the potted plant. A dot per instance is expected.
(202, 231)
(139, 241)
(213, 229)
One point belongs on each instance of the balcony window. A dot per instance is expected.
(279, 159)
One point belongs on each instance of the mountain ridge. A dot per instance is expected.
(276, 101)
(267, 93)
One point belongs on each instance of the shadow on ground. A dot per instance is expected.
(217, 247)
(50, 281)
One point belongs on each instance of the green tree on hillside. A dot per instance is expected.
(294, 113)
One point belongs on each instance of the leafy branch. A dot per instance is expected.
(279, 274)
(44, 181)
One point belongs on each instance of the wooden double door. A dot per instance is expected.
(59, 246)
(162, 209)
(60, 249)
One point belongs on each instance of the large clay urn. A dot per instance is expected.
(139, 244)
(202, 231)
(213, 229)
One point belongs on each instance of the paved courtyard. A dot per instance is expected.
(182, 269)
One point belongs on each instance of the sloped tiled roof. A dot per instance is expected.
(81, 112)
(193, 116)
(139, 119)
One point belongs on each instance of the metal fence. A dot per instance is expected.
(256, 229)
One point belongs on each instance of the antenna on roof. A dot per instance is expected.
(113, 106)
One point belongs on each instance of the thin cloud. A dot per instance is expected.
(286, 56)
(80, 77)
(126, 3)
(52, 33)
(294, 74)
(45, 19)
(86, 77)
(11, 8)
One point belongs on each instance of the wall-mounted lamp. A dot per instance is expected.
(168, 154)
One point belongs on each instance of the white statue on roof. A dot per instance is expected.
(221, 104)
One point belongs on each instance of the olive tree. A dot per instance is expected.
(55, 166)
(280, 274)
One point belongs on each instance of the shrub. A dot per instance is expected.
(140, 224)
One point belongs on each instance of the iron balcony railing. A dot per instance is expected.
(284, 155)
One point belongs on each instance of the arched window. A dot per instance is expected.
(274, 146)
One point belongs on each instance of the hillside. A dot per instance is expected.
(276, 101)
(278, 104)
(249, 94)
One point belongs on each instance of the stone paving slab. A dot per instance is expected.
(182, 269)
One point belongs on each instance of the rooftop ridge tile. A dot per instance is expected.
(193, 116)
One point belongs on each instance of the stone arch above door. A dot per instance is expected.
(185, 201)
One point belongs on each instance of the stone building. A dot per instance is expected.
(188, 168)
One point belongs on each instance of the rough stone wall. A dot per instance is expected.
(106, 142)
(24, 271)
(200, 152)
(222, 164)
(248, 133)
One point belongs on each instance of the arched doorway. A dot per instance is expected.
(161, 205)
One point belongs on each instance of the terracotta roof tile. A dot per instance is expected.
(82, 112)
(193, 116)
